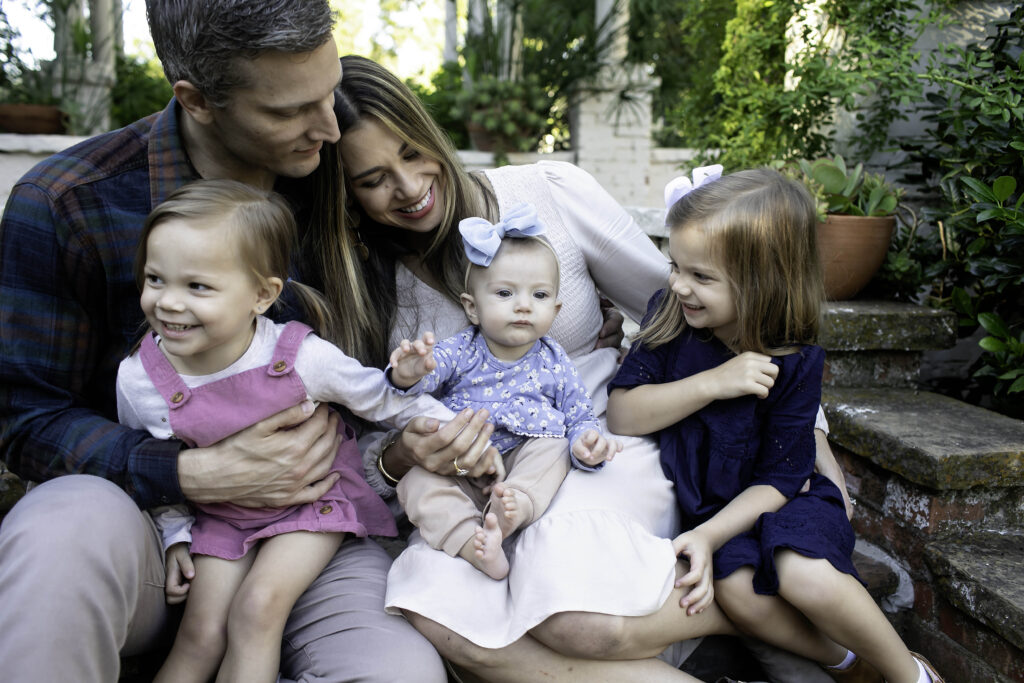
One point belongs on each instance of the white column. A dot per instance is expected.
(451, 31)
(611, 138)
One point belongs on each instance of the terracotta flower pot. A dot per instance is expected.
(852, 249)
(31, 118)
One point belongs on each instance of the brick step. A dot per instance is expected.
(929, 439)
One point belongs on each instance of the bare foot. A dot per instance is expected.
(488, 554)
(514, 508)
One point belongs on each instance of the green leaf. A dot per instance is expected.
(981, 189)
(994, 324)
(1016, 386)
(992, 344)
(1004, 187)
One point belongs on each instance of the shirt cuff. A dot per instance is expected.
(153, 473)
(372, 451)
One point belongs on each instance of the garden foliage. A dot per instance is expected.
(973, 262)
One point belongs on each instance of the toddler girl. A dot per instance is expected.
(742, 312)
(506, 364)
(212, 258)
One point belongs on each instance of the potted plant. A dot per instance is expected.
(503, 115)
(27, 101)
(856, 214)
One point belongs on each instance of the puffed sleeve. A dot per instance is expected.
(644, 365)
(623, 261)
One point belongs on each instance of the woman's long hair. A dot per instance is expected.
(761, 232)
(362, 290)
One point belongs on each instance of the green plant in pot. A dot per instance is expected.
(856, 214)
(504, 115)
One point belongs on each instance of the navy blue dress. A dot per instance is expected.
(715, 454)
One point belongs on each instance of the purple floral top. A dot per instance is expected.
(538, 396)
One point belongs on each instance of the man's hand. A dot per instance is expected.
(280, 461)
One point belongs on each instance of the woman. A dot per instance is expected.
(568, 601)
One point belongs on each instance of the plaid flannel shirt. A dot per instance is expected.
(69, 307)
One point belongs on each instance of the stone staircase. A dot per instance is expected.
(939, 487)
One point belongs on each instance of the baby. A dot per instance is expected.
(505, 364)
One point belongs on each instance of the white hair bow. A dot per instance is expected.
(681, 186)
(481, 238)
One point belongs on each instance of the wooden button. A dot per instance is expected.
(177, 397)
(326, 510)
(279, 366)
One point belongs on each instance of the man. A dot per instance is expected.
(81, 566)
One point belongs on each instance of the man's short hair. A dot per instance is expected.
(199, 40)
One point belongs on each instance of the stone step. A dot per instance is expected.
(880, 344)
(929, 439)
(885, 326)
(980, 575)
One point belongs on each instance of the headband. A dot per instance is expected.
(482, 238)
(681, 186)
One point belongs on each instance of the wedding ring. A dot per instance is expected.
(459, 471)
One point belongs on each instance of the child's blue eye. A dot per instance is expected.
(504, 293)
(540, 295)
(198, 286)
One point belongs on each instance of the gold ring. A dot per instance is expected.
(459, 471)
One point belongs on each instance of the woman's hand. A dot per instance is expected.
(611, 334)
(697, 550)
(280, 461)
(747, 373)
(436, 448)
(179, 571)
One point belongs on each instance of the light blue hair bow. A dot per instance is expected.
(482, 238)
(681, 186)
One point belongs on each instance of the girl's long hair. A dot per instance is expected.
(261, 227)
(761, 232)
(362, 289)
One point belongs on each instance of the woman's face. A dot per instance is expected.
(395, 184)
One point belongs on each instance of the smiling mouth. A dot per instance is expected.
(176, 327)
(421, 204)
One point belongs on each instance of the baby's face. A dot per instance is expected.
(514, 300)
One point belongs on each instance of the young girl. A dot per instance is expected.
(212, 258)
(506, 364)
(743, 301)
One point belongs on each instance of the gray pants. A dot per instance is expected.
(81, 583)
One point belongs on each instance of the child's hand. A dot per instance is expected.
(697, 550)
(179, 571)
(747, 373)
(412, 360)
(593, 448)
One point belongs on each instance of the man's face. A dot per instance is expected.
(276, 125)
